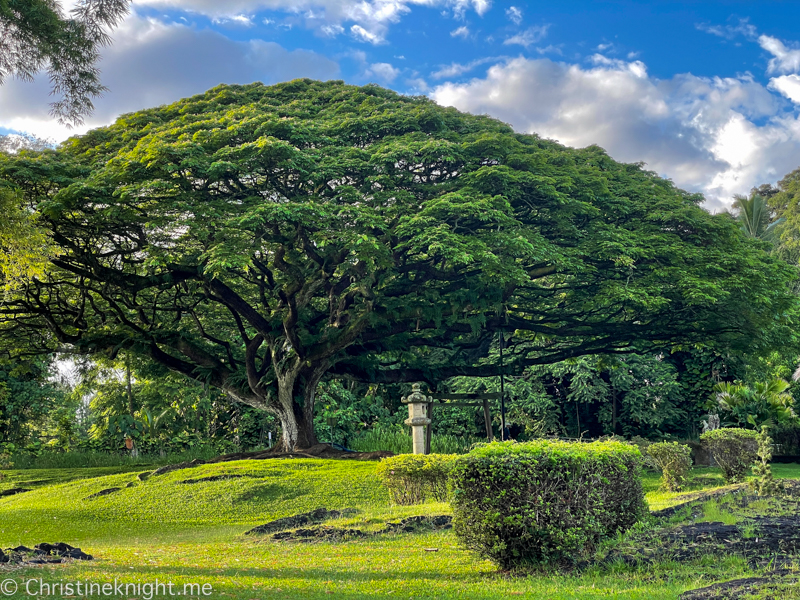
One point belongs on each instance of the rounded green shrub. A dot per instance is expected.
(526, 504)
(734, 450)
(674, 460)
(412, 478)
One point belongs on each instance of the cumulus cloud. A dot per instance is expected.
(462, 32)
(153, 63)
(788, 85)
(383, 72)
(528, 37)
(370, 18)
(719, 136)
(786, 60)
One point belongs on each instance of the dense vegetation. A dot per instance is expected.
(273, 242)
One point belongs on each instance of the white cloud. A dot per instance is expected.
(370, 19)
(787, 60)
(788, 85)
(528, 37)
(729, 32)
(514, 14)
(152, 63)
(242, 20)
(458, 69)
(462, 32)
(719, 136)
(383, 72)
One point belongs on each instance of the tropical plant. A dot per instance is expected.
(755, 217)
(765, 403)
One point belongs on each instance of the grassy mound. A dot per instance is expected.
(242, 493)
(165, 529)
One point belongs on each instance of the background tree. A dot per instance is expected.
(37, 35)
(755, 217)
(258, 239)
(28, 394)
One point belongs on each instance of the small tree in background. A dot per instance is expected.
(674, 460)
(733, 449)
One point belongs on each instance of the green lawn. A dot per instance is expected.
(165, 530)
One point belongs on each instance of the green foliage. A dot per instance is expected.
(734, 450)
(413, 478)
(764, 482)
(27, 398)
(754, 216)
(764, 403)
(524, 504)
(37, 36)
(674, 460)
(273, 236)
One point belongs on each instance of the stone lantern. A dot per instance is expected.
(417, 416)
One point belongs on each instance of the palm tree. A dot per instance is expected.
(754, 216)
(764, 403)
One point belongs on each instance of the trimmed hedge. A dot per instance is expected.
(674, 460)
(412, 478)
(734, 450)
(526, 504)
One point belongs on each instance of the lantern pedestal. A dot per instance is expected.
(417, 417)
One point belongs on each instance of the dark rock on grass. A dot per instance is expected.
(760, 540)
(739, 588)
(143, 476)
(211, 478)
(105, 492)
(43, 553)
(14, 491)
(177, 467)
(319, 533)
(411, 524)
(407, 525)
(64, 550)
(315, 516)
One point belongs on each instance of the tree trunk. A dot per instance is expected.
(296, 394)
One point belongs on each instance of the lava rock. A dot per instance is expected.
(105, 492)
(211, 478)
(315, 516)
(14, 491)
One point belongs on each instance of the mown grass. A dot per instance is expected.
(193, 533)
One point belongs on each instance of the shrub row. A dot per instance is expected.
(523, 504)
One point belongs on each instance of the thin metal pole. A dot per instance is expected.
(502, 392)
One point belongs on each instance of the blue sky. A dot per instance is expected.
(706, 93)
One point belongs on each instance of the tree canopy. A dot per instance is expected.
(260, 238)
(36, 34)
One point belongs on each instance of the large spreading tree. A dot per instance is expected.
(262, 238)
